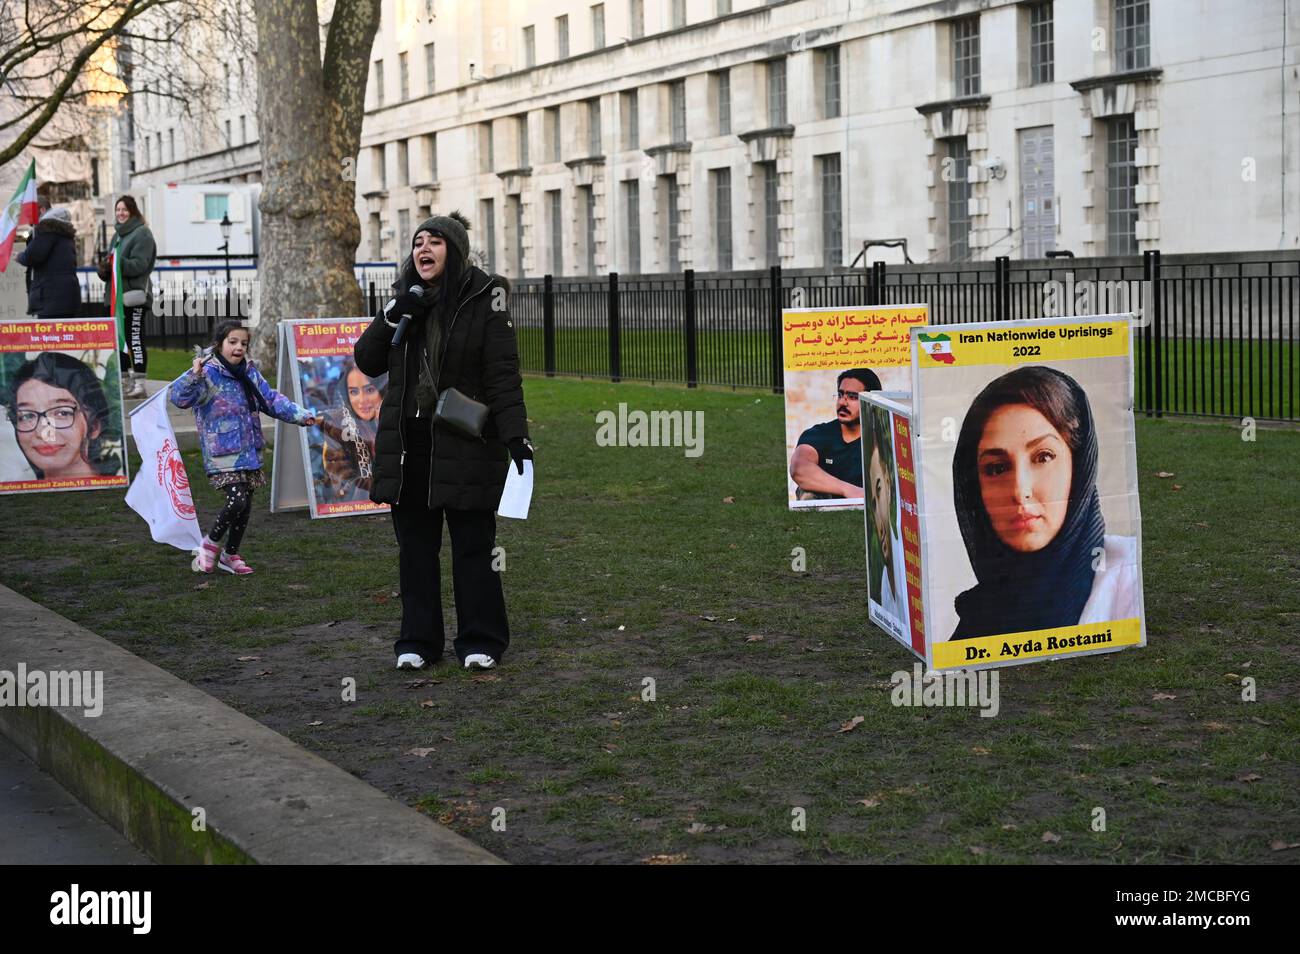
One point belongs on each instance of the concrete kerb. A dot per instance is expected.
(162, 748)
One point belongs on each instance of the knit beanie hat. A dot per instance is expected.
(453, 228)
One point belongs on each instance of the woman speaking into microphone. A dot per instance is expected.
(451, 422)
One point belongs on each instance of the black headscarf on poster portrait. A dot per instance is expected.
(1020, 592)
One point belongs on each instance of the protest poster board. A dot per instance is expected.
(61, 390)
(327, 467)
(893, 538)
(1027, 492)
(831, 355)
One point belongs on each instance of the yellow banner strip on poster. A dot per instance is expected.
(1013, 345)
(842, 338)
(1015, 647)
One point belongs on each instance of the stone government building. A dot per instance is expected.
(658, 135)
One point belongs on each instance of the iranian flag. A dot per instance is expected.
(21, 210)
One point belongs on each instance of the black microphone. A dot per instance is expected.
(418, 292)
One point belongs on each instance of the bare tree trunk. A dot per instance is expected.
(309, 121)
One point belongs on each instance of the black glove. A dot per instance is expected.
(404, 304)
(521, 449)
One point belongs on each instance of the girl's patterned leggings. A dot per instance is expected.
(233, 516)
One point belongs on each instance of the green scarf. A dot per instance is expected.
(119, 310)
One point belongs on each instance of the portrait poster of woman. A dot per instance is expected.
(63, 421)
(883, 458)
(1031, 524)
(339, 452)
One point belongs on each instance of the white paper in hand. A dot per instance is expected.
(518, 492)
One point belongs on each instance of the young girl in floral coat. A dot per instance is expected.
(228, 395)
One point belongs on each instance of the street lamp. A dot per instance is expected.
(225, 237)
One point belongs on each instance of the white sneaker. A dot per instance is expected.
(479, 661)
(410, 661)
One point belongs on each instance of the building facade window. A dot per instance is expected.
(632, 207)
(677, 110)
(486, 148)
(561, 37)
(631, 120)
(722, 90)
(966, 56)
(557, 232)
(553, 132)
(517, 218)
(957, 174)
(1042, 55)
(723, 8)
(678, 14)
(589, 232)
(598, 26)
(722, 217)
(771, 211)
(431, 155)
(776, 112)
(404, 225)
(430, 73)
(593, 128)
(403, 76)
(487, 216)
(379, 83)
(530, 47)
(1121, 186)
(243, 132)
(636, 17)
(522, 127)
(228, 140)
(376, 237)
(673, 235)
(403, 162)
(830, 70)
(832, 211)
(1132, 20)
(171, 141)
(378, 167)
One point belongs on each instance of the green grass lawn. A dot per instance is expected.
(641, 563)
(168, 364)
(1229, 378)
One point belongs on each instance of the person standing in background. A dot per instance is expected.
(51, 262)
(127, 270)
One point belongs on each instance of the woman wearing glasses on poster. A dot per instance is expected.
(61, 419)
(1025, 492)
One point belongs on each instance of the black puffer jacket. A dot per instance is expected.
(52, 258)
(481, 360)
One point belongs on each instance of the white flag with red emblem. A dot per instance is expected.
(161, 490)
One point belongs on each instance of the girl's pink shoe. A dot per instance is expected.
(234, 563)
(206, 560)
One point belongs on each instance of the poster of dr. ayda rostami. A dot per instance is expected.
(1026, 468)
